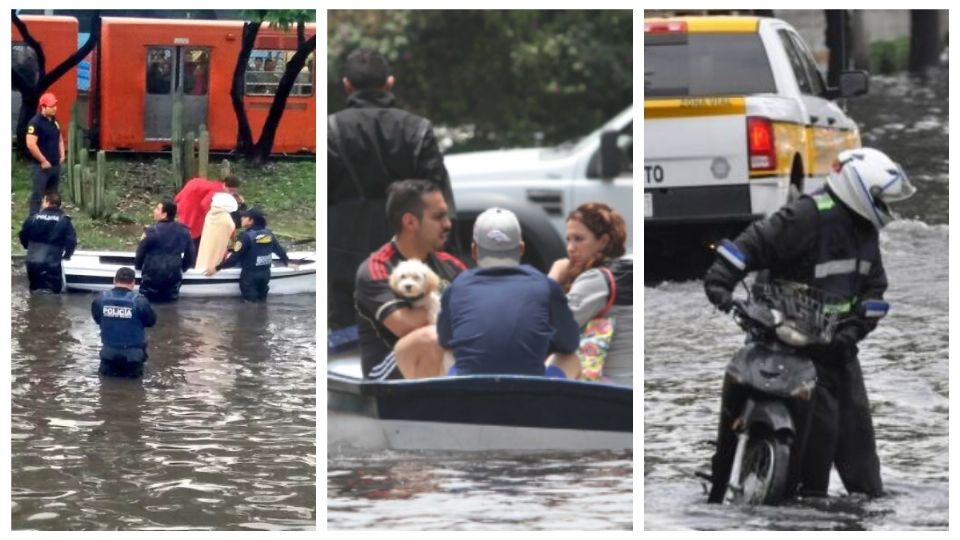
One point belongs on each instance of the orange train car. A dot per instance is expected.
(143, 64)
(58, 38)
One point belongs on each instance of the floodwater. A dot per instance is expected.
(474, 491)
(905, 361)
(219, 434)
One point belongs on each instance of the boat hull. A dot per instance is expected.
(93, 271)
(478, 413)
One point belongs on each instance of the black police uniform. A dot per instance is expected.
(165, 252)
(370, 145)
(47, 130)
(122, 315)
(255, 256)
(818, 241)
(49, 237)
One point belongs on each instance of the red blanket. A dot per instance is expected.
(193, 203)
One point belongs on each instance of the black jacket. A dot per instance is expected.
(370, 145)
(49, 237)
(818, 241)
(165, 252)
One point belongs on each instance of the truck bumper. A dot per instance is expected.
(712, 204)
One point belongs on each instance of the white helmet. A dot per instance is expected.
(866, 180)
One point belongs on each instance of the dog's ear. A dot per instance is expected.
(432, 280)
(394, 278)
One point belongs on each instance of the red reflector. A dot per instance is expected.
(760, 143)
(664, 27)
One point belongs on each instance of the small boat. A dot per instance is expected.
(472, 413)
(95, 270)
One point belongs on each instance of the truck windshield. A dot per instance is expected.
(705, 65)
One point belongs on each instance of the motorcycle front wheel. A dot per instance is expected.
(763, 475)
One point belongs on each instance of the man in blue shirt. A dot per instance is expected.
(503, 317)
(45, 143)
(123, 314)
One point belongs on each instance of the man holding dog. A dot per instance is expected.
(419, 216)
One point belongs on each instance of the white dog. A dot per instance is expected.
(416, 282)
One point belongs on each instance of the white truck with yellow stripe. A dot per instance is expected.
(737, 121)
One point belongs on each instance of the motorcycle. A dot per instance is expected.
(775, 374)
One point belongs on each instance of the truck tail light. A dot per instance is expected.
(760, 144)
(664, 27)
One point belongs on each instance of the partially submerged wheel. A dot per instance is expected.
(763, 476)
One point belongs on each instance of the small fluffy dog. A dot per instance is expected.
(416, 282)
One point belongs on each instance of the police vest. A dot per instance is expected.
(844, 253)
(260, 256)
(120, 325)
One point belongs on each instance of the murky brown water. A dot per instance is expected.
(219, 434)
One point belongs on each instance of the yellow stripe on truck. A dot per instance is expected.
(694, 106)
(722, 24)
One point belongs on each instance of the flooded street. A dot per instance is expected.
(905, 361)
(480, 491)
(219, 434)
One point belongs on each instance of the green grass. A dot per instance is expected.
(285, 191)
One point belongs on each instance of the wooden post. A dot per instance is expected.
(203, 159)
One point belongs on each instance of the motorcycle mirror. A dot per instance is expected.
(873, 309)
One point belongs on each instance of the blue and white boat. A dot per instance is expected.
(472, 413)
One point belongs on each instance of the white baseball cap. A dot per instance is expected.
(497, 235)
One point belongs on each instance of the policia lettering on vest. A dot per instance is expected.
(255, 256)
(829, 241)
(123, 316)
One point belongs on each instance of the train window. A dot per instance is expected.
(159, 70)
(196, 72)
(266, 69)
(25, 63)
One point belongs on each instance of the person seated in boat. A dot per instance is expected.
(49, 238)
(418, 215)
(218, 228)
(598, 281)
(501, 317)
(196, 197)
(255, 256)
(123, 315)
(164, 254)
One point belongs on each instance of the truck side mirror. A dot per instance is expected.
(610, 165)
(852, 83)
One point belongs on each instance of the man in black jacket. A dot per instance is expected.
(370, 145)
(828, 240)
(49, 237)
(165, 252)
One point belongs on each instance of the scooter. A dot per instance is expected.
(775, 372)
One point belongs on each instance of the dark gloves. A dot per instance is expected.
(842, 349)
(719, 296)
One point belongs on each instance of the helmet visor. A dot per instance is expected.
(898, 188)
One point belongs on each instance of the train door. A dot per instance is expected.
(175, 72)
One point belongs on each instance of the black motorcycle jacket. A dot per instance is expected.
(817, 241)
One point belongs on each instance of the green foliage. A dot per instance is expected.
(888, 57)
(280, 18)
(515, 77)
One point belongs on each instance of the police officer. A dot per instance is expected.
(828, 240)
(370, 145)
(165, 252)
(123, 314)
(45, 143)
(255, 255)
(49, 237)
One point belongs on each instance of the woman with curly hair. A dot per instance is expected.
(598, 280)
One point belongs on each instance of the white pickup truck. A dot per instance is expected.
(737, 121)
(543, 185)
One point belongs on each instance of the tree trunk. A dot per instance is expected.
(837, 37)
(269, 132)
(245, 144)
(924, 40)
(30, 94)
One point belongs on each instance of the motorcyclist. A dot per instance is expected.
(827, 240)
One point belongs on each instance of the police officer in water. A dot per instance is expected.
(123, 314)
(165, 252)
(45, 144)
(49, 238)
(255, 255)
(828, 240)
